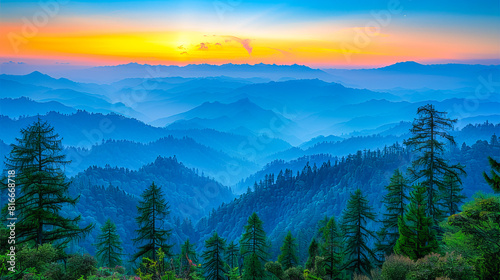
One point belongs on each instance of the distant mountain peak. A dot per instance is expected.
(36, 74)
(406, 65)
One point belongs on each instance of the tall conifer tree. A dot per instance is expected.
(153, 209)
(109, 246)
(288, 257)
(451, 194)
(395, 202)
(332, 248)
(37, 160)
(232, 255)
(429, 167)
(359, 257)
(188, 256)
(215, 267)
(254, 249)
(313, 253)
(416, 236)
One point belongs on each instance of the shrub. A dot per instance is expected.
(79, 266)
(360, 277)
(396, 267)
(35, 258)
(294, 273)
(451, 265)
(55, 271)
(275, 268)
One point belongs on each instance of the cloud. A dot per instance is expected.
(218, 44)
(13, 62)
(181, 47)
(244, 42)
(184, 53)
(203, 46)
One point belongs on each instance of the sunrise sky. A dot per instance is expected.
(314, 33)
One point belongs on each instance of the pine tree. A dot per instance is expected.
(188, 256)
(355, 218)
(153, 210)
(451, 194)
(494, 180)
(253, 268)
(416, 236)
(254, 249)
(430, 166)
(288, 257)
(313, 253)
(215, 267)
(332, 248)
(232, 255)
(395, 202)
(37, 161)
(109, 246)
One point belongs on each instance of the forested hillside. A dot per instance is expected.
(296, 202)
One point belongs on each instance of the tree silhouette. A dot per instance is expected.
(430, 166)
(395, 202)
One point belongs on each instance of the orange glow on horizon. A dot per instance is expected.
(70, 41)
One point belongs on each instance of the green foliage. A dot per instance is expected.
(294, 273)
(451, 194)
(234, 274)
(116, 272)
(432, 266)
(430, 126)
(416, 236)
(215, 267)
(232, 255)
(154, 269)
(254, 248)
(275, 268)
(313, 252)
(35, 263)
(152, 210)
(253, 268)
(332, 248)
(288, 257)
(187, 258)
(80, 266)
(359, 256)
(494, 178)
(395, 202)
(396, 267)
(37, 258)
(475, 232)
(451, 265)
(43, 190)
(309, 276)
(109, 245)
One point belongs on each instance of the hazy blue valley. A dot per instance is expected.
(289, 143)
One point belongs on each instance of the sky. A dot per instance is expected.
(323, 34)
